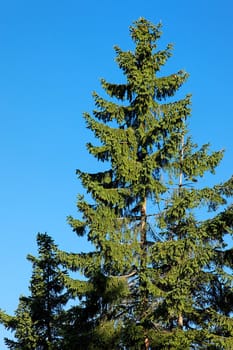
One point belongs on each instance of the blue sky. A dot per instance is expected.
(52, 55)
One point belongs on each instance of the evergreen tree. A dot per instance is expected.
(38, 320)
(22, 326)
(157, 271)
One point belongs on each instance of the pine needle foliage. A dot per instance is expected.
(162, 282)
(38, 320)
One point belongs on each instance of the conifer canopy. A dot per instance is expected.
(157, 268)
(159, 275)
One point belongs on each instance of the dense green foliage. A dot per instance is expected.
(160, 272)
(37, 323)
(157, 270)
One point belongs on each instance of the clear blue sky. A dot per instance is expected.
(52, 55)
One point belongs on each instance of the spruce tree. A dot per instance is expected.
(21, 324)
(153, 275)
(38, 320)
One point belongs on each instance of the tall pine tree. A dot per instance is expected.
(156, 271)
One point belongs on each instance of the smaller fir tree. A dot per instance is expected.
(37, 323)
